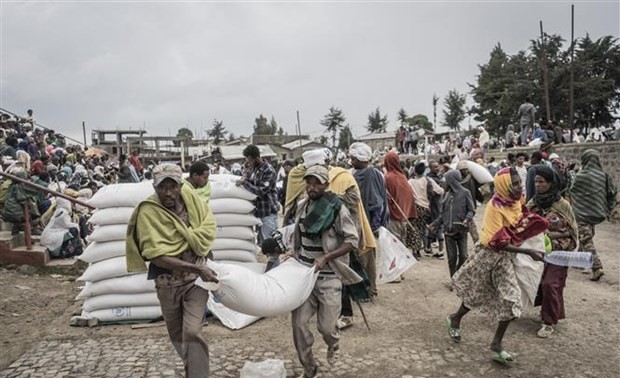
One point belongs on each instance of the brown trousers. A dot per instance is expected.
(325, 301)
(586, 244)
(183, 308)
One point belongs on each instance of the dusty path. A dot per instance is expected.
(408, 336)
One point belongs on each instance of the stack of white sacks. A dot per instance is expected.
(111, 294)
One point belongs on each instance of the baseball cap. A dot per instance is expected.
(318, 171)
(164, 171)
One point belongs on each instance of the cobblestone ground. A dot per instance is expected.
(154, 358)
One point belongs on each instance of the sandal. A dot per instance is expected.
(503, 358)
(545, 331)
(455, 333)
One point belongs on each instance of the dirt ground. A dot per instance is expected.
(36, 305)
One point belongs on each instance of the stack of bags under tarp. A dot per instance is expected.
(235, 242)
(111, 294)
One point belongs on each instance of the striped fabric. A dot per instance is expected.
(589, 190)
(311, 249)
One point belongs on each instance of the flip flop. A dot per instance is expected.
(454, 333)
(503, 358)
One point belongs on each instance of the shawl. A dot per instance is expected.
(563, 209)
(204, 192)
(401, 201)
(322, 215)
(372, 188)
(592, 193)
(155, 231)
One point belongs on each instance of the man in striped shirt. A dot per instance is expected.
(324, 236)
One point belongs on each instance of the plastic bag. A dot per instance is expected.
(393, 258)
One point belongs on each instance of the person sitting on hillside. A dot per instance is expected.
(61, 236)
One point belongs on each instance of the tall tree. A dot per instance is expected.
(420, 120)
(345, 138)
(323, 140)
(183, 132)
(262, 126)
(218, 132)
(377, 123)
(454, 109)
(402, 117)
(231, 136)
(334, 122)
(280, 131)
(274, 126)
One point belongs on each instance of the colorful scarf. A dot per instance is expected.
(400, 193)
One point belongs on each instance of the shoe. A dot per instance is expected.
(597, 274)
(545, 331)
(344, 322)
(439, 256)
(435, 245)
(428, 253)
(315, 374)
(333, 353)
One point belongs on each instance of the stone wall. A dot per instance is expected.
(608, 151)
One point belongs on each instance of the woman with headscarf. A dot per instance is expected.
(563, 233)
(457, 211)
(488, 280)
(399, 197)
(61, 236)
(593, 196)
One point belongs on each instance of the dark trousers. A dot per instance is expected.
(456, 248)
(347, 305)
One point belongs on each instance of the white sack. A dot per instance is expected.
(227, 243)
(108, 233)
(99, 251)
(265, 369)
(229, 318)
(135, 283)
(122, 195)
(226, 219)
(120, 300)
(528, 271)
(277, 292)
(393, 258)
(120, 314)
(256, 267)
(231, 205)
(230, 190)
(114, 267)
(235, 232)
(112, 215)
(235, 255)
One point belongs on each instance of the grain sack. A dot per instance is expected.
(235, 255)
(108, 233)
(122, 195)
(114, 267)
(99, 251)
(235, 232)
(227, 243)
(134, 283)
(229, 318)
(229, 190)
(231, 205)
(123, 314)
(258, 268)
(120, 300)
(112, 215)
(246, 220)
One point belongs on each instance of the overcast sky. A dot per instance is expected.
(171, 64)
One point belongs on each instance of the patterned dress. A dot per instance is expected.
(487, 282)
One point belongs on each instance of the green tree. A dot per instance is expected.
(420, 120)
(274, 126)
(377, 123)
(402, 117)
(218, 132)
(334, 122)
(231, 137)
(280, 131)
(323, 140)
(183, 132)
(454, 109)
(262, 126)
(345, 138)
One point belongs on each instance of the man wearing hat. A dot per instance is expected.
(324, 235)
(174, 230)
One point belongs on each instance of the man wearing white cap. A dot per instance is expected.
(324, 235)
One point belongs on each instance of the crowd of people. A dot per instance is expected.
(337, 209)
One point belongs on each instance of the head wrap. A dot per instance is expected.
(314, 157)
(505, 195)
(545, 200)
(360, 151)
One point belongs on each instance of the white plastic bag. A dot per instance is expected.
(277, 292)
(264, 369)
(393, 258)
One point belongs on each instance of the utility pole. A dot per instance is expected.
(571, 106)
(544, 71)
(84, 131)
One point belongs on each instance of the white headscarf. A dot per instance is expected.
(360, 151)
(314, 157)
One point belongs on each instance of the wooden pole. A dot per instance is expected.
(544, 71)
(571, 106)
(84, 131)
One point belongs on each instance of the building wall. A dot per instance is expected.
(275, 139)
